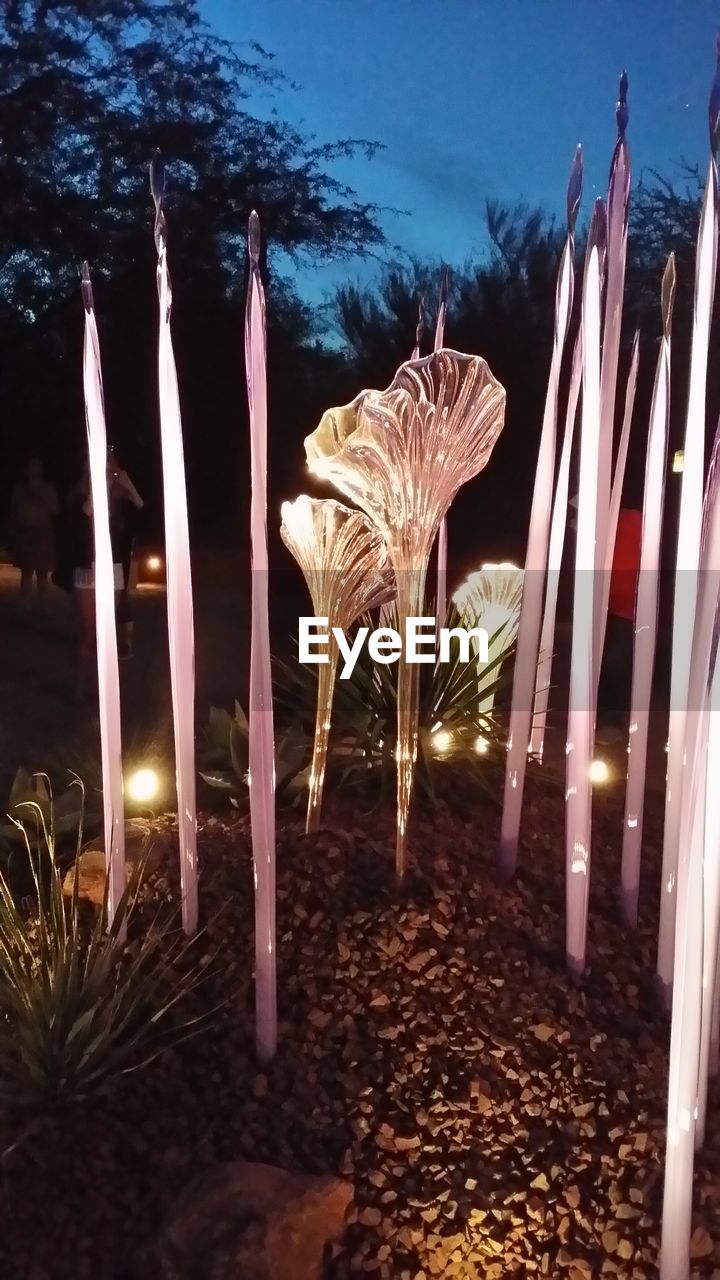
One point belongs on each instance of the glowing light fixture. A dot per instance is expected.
(442, 740)
(599, 771)
(482, 746)
(153, 563)
(143, 786)
(678, 462)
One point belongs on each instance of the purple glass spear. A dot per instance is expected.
(618, 480)
(261, 774)
(688, 543)
(618, 200)
(181, 632)
(526, 652)
(107, 655)
(441, 595)
(694, 908)
(646, 610)
(581, 709)
(710, 819)
(556, 546)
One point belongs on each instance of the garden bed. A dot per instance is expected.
(494, 1118)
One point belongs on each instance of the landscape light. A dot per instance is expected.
(143, 785)
(599, 771)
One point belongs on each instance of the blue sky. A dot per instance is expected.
(481, 98)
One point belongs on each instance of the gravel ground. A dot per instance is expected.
(495, 1118)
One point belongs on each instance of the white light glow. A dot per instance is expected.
(153, 563)
(599, 771)
(678, 462)
(442, 740)
(482, 745)
(143, 786)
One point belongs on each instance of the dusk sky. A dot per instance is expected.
(478, 98)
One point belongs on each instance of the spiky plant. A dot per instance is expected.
(362, 741)
(77, 1009)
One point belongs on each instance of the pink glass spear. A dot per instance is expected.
(107, 655)
(646, 610)
(261, 774)
(558, 526)
(711, 819)
(613, 514)
(688, 545)
(179, 578)
(618, 200)
(711, 904)
(526, 652)
(693, 954)
(441, 594)
(581, 711)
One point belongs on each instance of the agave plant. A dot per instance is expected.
(76, 1008)
(32, 795)
(457, 742)
(222, 755)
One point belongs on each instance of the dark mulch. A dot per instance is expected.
(495, 1119)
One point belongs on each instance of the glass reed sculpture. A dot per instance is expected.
(401, 455)
(491, 599)
(345, 564)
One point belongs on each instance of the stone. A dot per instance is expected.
(248, 1221)
(142, 843)
(701, 1244)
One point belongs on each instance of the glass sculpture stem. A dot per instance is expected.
(613, 514)
(646, 615)
(526, 652)
(442, 541)
(106, 636)
(442, 547)
(411, 588)
(261, 744)
(555, 551)
(688, 550)
(179, 604)
(617, 217)
(696, 909)
(581, 711)
(326, 688)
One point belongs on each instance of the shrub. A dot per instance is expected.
(77, 1008)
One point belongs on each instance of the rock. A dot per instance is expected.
(701, 1244)
(141, 843)
(246, 1221)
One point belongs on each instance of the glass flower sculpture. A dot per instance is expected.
(491, 599)
(401, 455)
(345, 564)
